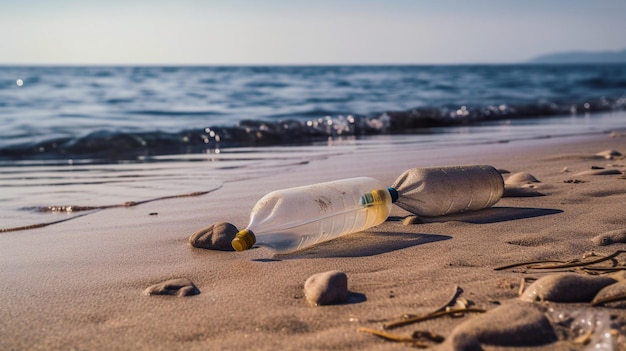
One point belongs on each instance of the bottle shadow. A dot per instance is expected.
(373, 243)
(494, 215)
(364, 244)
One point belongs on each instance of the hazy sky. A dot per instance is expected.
(303, 31)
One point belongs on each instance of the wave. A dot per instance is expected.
(127, 145)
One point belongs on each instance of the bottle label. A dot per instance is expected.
(367, 200)
(374, 198)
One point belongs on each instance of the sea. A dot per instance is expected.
(78, 139)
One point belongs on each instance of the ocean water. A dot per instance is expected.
(79, 139)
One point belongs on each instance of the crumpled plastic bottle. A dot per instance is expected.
(293, 219)
(587, 322)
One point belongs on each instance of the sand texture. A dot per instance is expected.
(454, 281)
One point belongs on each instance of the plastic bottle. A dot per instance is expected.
(293, 219)
(439, 191)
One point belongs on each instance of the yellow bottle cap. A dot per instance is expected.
(244, 240)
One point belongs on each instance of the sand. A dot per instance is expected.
(80, 284)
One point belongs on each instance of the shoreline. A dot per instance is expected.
(79, 284)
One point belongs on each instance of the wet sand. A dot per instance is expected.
(80, 284)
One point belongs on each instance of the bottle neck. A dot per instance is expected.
(394, 194)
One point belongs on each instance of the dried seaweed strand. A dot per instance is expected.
(522, 287)
(432, 315)
(455, 295)
(618, 297)
(94, 208)
(393, 337)
(580, 264)
(605, 269)
(40, 225)
(501, 268)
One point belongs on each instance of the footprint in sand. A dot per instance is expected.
(178, 287)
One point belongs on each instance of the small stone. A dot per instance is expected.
(178, 287)
(521, 178)
(217, 236)
(620, 276)
(326, 288)
(409, 220)
(610, 237)
(566, 287)
(613, 290)
(609, 154)
(512, 324)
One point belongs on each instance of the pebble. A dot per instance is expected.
(620, 276)
(609, 154)
(217, 236)
(513, 324)
(566, 287)
(521, 178)
(611, 237)
(617, 289)
(326, 288)
(178, 287)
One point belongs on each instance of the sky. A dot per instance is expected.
(239, 32)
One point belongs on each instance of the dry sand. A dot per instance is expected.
(80, 284)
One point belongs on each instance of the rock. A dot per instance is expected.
(609, 154)
(217, 236)
(617, 290)
(178, 287)
(326, 288)
(521, 178)
(620, 276)
(566, 287)
(513, 324)
(611, 237)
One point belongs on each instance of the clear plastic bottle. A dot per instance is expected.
(292, 219)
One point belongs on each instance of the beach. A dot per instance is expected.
(80, 284)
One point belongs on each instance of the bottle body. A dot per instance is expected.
(292, 219)
(444, 190)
